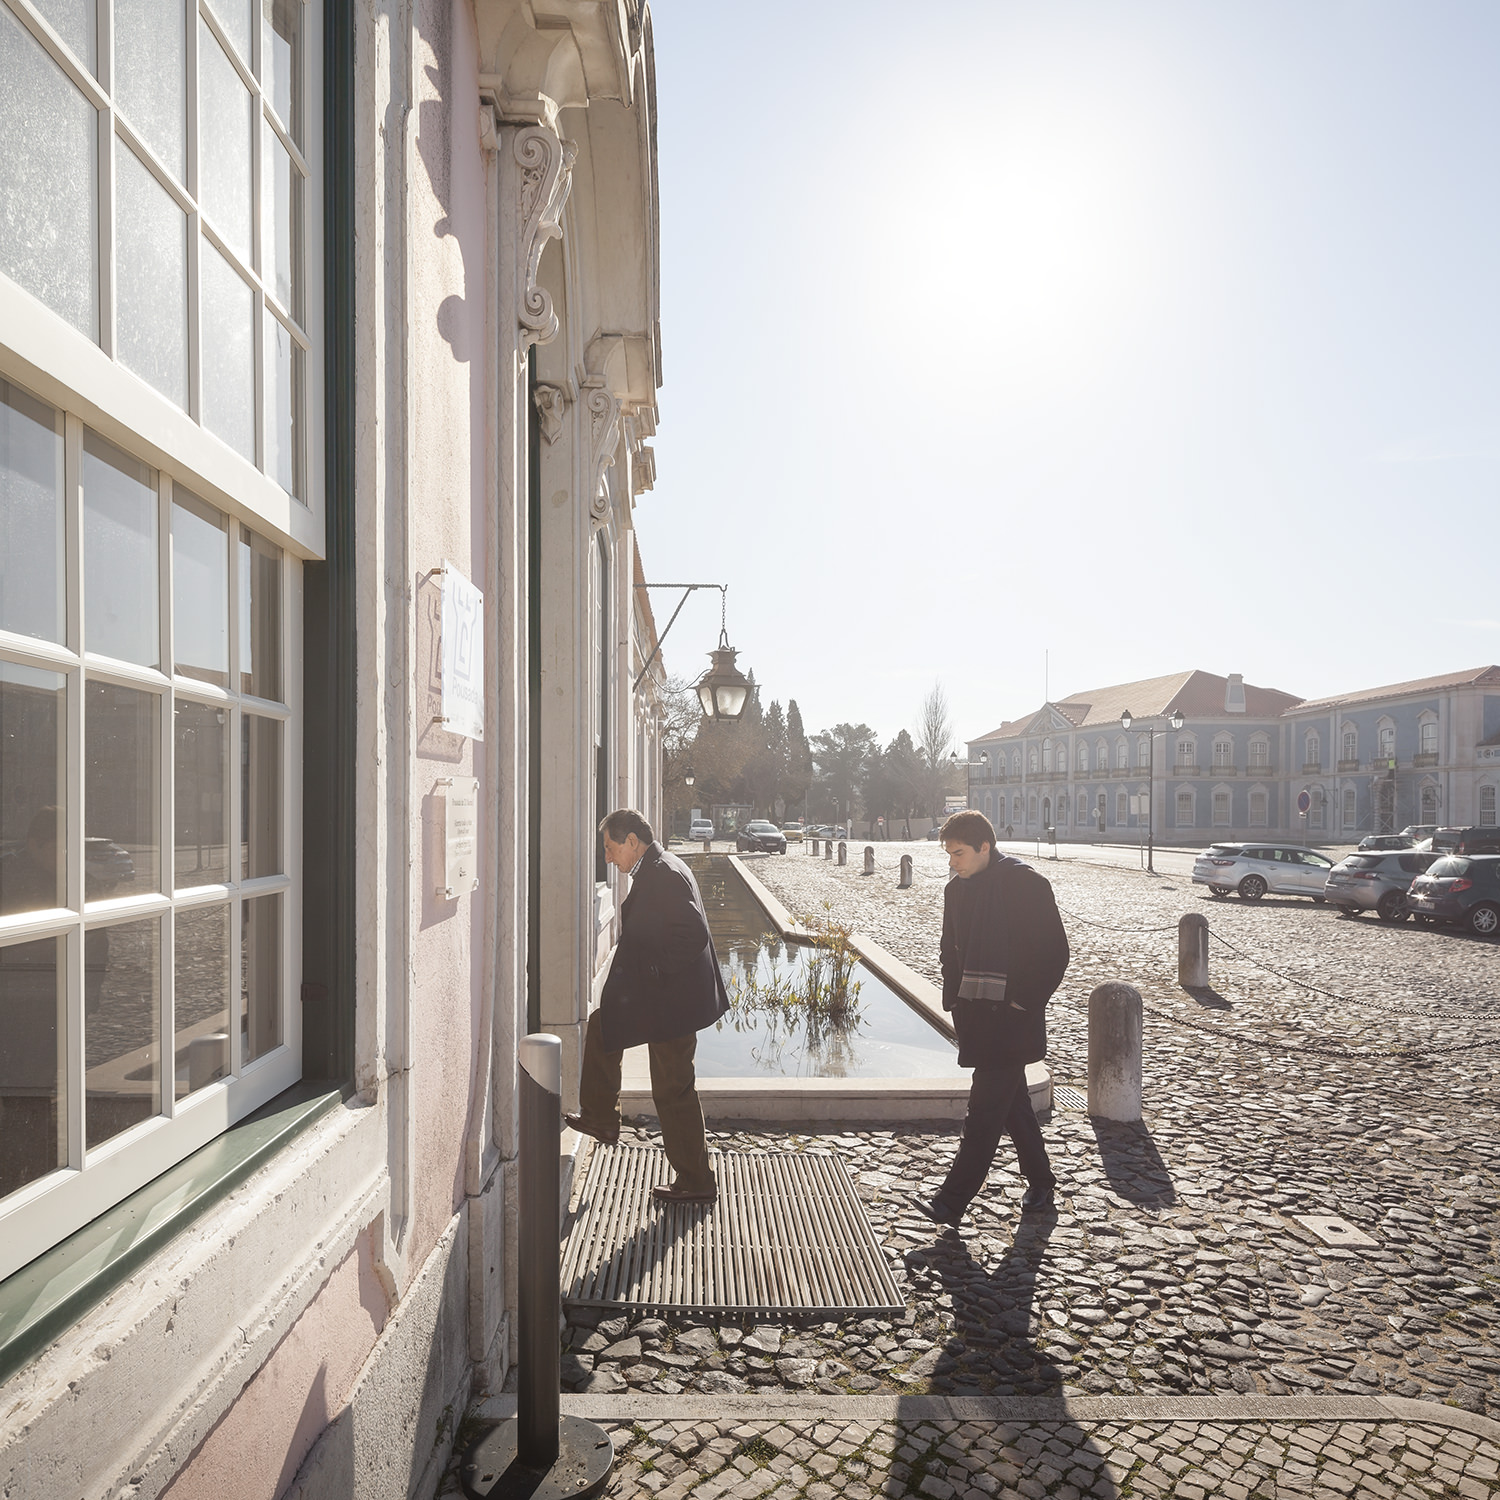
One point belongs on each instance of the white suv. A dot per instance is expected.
(1254, 869)
(700, 828)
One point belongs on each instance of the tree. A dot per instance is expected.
(934, 746)
(681, 714)
(839, 756)
(798, 758)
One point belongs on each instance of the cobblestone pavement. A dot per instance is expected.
(1177, 1263)
(741, 1460)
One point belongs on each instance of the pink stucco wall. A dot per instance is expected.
(256, 1448)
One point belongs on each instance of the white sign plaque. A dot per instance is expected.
(463, 655)
(461, 837)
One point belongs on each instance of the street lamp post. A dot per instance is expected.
(1175, 721)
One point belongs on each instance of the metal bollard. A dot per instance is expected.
(1192, 951)
(843, 852)
(827, 848)
(905, 882)
(1115, 1035)
(537, 1451)
(869, 859)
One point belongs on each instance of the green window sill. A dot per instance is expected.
(43, 1299)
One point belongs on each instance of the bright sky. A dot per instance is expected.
(1150, 336)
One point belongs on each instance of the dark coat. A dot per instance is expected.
(1002, 921)
(664, 982)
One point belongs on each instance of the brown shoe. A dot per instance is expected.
(578, 1123)
(671, 1193)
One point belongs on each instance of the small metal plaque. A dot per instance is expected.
(461, 837)
(1334, 1231)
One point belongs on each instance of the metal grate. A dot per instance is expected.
(787, 1236)
(1065, 1096)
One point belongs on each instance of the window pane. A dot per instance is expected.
(283, 406)
(33, 1123)
(201, 823)
(77, 23)
(235, 16)
(121, 1027)
(119, 554)
(228, 335)
(48, 181)
(31, 516)
(200, 999)
(200, 590)
(121, 774)
(150, 84)
(32, 868)
(281, 220)
(260, 977)
(260, 797)
(260, 616)
(150, 279)
(225, 118)
(281, 63)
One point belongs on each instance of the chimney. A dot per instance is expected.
(1234, 694)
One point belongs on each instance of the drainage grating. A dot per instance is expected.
(787, 1236)
(1065, 1096)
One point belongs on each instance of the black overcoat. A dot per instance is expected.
(664, 982)
(1003, 920)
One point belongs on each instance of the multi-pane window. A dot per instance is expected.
(1047, 755)
(154, 172)
(1083, 756)
(1186, 815)
(1430, 803)
(1350, 751)
(1187, 753)
(1221, 809)
(1258, 807)
(146, 838)
(1314, 751)
(1033, 808)
(1031, 760)
(1428, 736)
(1223, 753)
(1142, 749)
(1122, 755)
(1315, 814)
(1260, 754)
(1122, 809)
(1350, 820)
(1100, 810)
(1387, 742)
(1486, 807)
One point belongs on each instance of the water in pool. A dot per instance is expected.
(888, 1039)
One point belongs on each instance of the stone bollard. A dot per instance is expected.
(1192, 951)
(1115, 1053)
(869, 859)
(843, 852)
(208, 1059)
(708, 847)
(827, 848)
(905, 882)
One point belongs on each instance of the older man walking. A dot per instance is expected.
(664, 987)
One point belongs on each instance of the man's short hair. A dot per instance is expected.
(971, 828)
(624, 821)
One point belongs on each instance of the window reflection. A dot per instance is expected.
(200, 966)
(260, 797)
(200, 590)
(122, 1028)
(32, 867)
(122, 776)
(201, 821)
(260, 977)
(260, 616)
(31, 516)
(119, 554)
(33, 1123)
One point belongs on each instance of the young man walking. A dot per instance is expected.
(664, 987)
(1003, 953)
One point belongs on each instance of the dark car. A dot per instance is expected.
(1461, 890)
(1376, 880)
(760, 836)
(1388, 841)
(1478, 841)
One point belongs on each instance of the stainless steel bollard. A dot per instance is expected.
(538, 1453)
(905, 882)
(843, 852)
(1192, 951)
(869, 859)
(1115, 1037)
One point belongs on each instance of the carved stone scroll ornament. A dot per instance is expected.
(604, 438)
(551, 403)
(546, 163)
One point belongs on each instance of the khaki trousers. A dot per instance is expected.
(674, 1088)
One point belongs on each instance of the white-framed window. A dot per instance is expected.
(1187, 812)
(1064, 805)
(1033, 807)
(150, 677)
(1031, 760)
(1047, 755)
(1312, 749)
(1221, 809)
(1122, 809)
(1259, 804)
(1260, 753)
(1083, 808)
(1187, 751)
(1015, 762)
(162, 202)
(1100, 803)
(1427, 737)
(1429, 804)
(1487, 807)
(1350, 818)
(1223, 752)
(1387, 741)
(1083, 756)
(1122, 754)
(1101, 756)
(1015, 809)
(1315, 812)
(1143, 749)
(1350, 752)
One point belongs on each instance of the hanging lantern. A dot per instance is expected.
(723, 690)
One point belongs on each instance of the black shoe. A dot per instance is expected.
(1038, 1199)
(939, 1212)
(607, 1137)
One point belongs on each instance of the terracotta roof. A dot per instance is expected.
(1473, 677)
(1195, 694)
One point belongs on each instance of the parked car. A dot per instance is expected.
(1387, 841)
(1463, 890)
(1376, 881)
(838, 833)
(1416, 832)
(700, 828)
(1444, 840)
(758, 834)
(936, 831)
(1254, 869)
(1478, 841)
(793, 832)
(106, 864)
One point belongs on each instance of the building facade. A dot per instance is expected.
(309, 313)
(1243, 760)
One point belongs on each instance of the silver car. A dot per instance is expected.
(1377, 881)
(1254, 869)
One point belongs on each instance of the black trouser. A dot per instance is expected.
(998, 1104)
